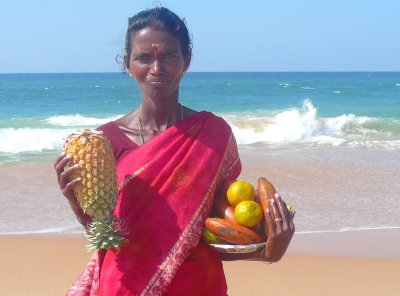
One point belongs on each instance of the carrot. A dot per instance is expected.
(266, 191)
(232, 232)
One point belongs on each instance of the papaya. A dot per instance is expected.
(233, 232)
(266, 191)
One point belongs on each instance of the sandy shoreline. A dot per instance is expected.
(48, 264)
(328, 192)
(331, 190)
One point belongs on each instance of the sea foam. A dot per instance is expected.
(303, 125)
(38, 139)
(17, 140)
(291, 126)
(78, 120)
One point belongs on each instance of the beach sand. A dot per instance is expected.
(336, 250)
(47, 265)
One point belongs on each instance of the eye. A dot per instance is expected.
(170, 55)
(142, 58)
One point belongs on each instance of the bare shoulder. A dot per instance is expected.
(187, 112)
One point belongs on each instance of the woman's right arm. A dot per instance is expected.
(67, 187)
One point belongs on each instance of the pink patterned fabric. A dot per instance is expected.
(88, 281)
(167, 190)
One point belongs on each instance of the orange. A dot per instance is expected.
(239, 191)
(248, 213)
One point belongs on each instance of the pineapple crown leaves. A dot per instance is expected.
(107, 234)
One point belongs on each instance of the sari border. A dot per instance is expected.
(134, 174)
(190, 236)
(131, 176)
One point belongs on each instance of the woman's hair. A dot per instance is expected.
(160, 18)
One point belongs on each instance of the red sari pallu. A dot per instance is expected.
(167, 189)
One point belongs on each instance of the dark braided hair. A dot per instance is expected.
(160, 18)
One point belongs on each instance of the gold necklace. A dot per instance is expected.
(141, 129)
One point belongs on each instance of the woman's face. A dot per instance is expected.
(157, 62)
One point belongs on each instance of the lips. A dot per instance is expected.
(157, 81)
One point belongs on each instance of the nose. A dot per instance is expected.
(156, 67)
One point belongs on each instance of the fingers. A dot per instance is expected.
(60, 163)
(287, 216)
(68, 190)
(284, 212)
(293, 213)
(292, 227)
(278, 216)
(58, 159)
(64, 174)
(284, 207)
(270, 223)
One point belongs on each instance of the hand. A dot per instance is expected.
(63, 174)
(281, 229)
(67, 186)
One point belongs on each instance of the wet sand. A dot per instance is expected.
(338, 189)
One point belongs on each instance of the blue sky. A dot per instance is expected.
(85, 36)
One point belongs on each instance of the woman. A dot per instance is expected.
(171, 163)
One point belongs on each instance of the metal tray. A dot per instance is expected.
(238, 248)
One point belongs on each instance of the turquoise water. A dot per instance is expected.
(330, 142)
(353, 109)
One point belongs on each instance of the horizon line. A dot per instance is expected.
(275, 71)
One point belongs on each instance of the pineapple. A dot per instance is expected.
(97, 193)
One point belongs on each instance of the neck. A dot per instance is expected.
(160, 115)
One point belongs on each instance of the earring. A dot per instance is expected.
(131, 74)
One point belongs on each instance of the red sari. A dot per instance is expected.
(167, 189)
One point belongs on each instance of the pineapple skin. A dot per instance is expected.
(97, 192)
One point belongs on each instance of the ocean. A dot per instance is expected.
(331, 141)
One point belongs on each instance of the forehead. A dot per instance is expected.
(146, 38)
